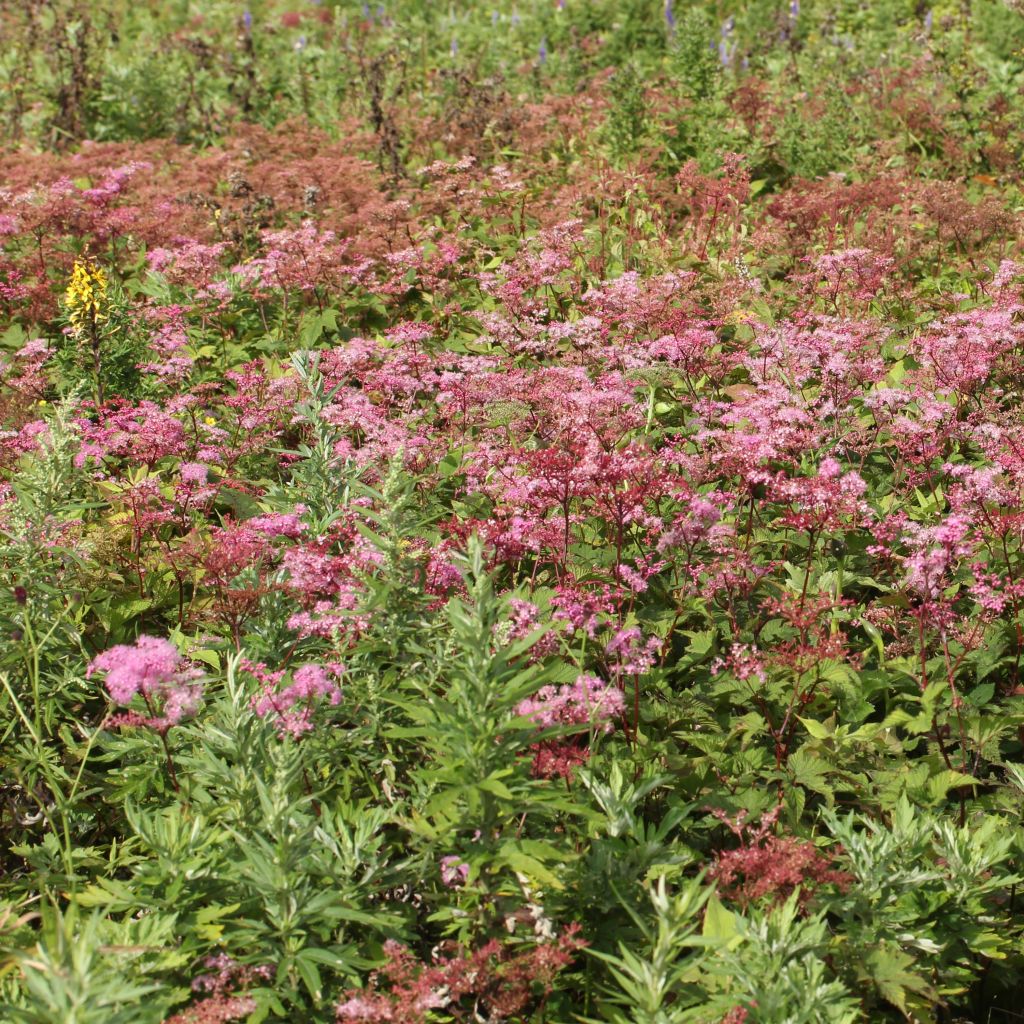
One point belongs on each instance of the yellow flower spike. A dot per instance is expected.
(86, 296)
(737, 316)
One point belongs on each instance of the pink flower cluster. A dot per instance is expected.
(588, 700)
(633, 654)
(153, 669)
(293, 707)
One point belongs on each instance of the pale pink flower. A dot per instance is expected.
(152, 668)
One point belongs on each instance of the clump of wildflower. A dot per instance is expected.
(737, 1015)
(194, 472)
(633, 654)
(153, 669)
(702, 520)
(742, 661)
(774, 868)
(225, 974)
(215, 1010)
(87, 306)
(292, 707)
(525, 621)
(279, 524)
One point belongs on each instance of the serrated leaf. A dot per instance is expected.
(810, 771)
(939, 785)
(886, 965)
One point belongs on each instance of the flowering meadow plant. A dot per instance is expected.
(511, 513)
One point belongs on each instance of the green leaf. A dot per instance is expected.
(886, 966)
(524, 864)
(310, 974)
(720, 924)
(496, 787)
(205, 918)
(817, 730)
(810, 771)
(939, 785)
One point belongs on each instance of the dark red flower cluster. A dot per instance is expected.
(492, 982)
(223, 1003)
(774, 868)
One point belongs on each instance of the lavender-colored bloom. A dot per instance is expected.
(928, 22)
(494, 17)
(300, 43)
(366, 9)
(542, 53)
(794, 9)
(247, 20)
(670, 18)
(454, 47)
(561, 5)
(727, 26)
(515, 17)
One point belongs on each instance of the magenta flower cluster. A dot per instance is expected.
(153, 669)
(589, 700)
(292, 707)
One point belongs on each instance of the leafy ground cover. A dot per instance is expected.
(511, 513)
